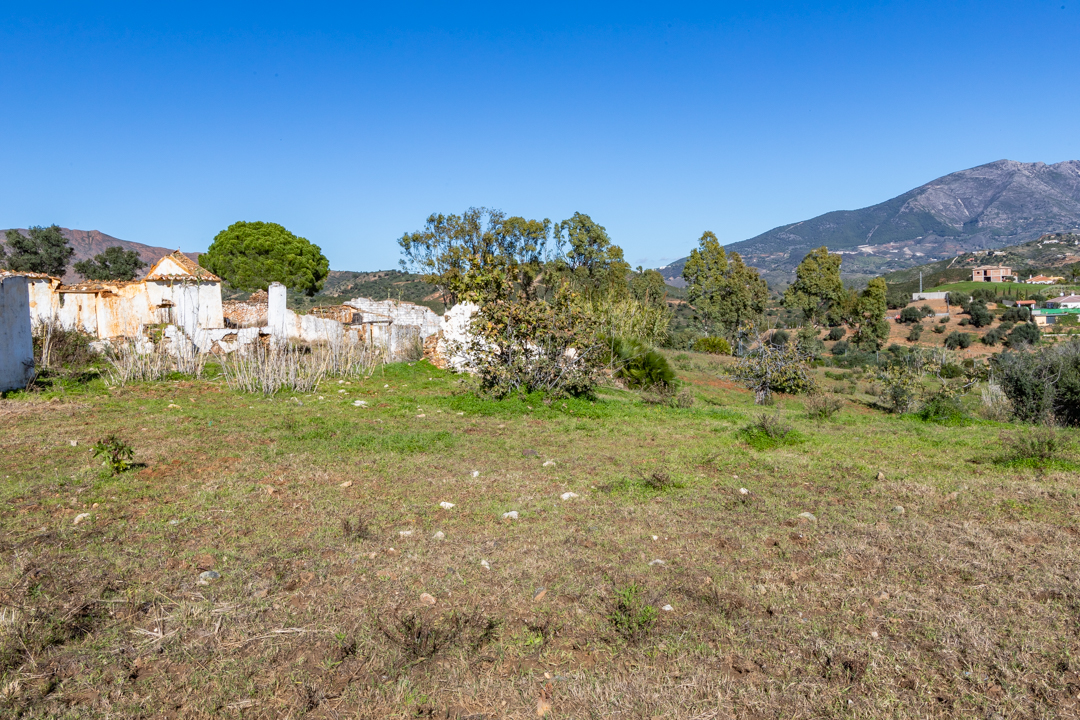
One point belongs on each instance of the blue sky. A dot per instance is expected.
(349, 124)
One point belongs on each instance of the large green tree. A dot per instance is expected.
(115, 263)
(817, 291)
(479, 255)
(251, 255)
(725, 292)
(42, 250)
(871, 327)
(591, 261)
(648, 287)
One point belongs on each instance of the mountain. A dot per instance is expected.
(991, 206)
(88, 243)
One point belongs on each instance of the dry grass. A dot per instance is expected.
(966, 604)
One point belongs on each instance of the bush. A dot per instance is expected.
(897, 387)
(840, 347)
(836, 333)
(822, 406)
(916, 333)
(944, 320)
(951, 371)
(939, 329)
(528, 346)
(993, 336)
(769, 431)
(1023, 334)
(712, 345)
(779, 338)
(980, 315)
(56, 347)
(1035, 446)
(911, 314)
(116, 454)
(957, 340)
(1043, 385)
(943, 409)
(1016, 314)
(927, 311)
(770, 368)
(964, 322)
(637, 365)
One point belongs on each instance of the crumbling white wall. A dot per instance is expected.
(275, 312)
(16, 341)
(400, 313)
(455, 334)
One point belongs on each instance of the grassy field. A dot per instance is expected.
(1012, 289)
(339, 587)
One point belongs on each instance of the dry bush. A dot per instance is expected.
(127, 364)
(419, 636)
(995, 404)
(822, 406)
(267, 370)
(1037, 445)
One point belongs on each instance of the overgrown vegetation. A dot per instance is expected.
(116, 455)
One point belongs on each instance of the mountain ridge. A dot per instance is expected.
(989, 206)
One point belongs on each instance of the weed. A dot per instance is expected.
(117, 454)
(1035, 446)
(631, 616)
(419, 637)
(659, 480)
(943, 410)
(359, 531)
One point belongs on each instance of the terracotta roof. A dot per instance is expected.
(192, 268)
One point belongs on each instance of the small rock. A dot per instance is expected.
(899, 509)
(530, 453)
(512, 515)
(759, 589)
(539, 594)
(174, 521)
(347, 483)
(81, 516)
(427, 599)
(171, 405)
(658, 562)
(744, 491)
(485, 564)
(476, 473)
(405, 533)
(446, 505)
(809, 517)
(549, 463)
(439, 535)
(667, 608)
(208, 575)
(655, 537)
(73, 443)
(874, 634)
(880, 476)
(569, 495)
(386, 386)
(421, 415)
(359, 403)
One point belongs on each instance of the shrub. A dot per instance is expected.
(632, 617)
(964, 322)
(927, 311)
(897, 387)
(943, 409)
(980, 315)
(993, 336)
(1034, 446)
(822, 406)
(115, 453)
(911, 314)
(951, 371)
(638, 365)
(779, 337)
(944, 320)
(916, 332)
(769, 431)
(840, 347)
(995, 404)
(957, 340)
(1023, 334)
(770, 368)
(1028, 382)
(713, 345)
(1016, 314)
(836, 333)
(527, 346)
(56, 347)
(939, 329)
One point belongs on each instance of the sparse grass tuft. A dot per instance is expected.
(768, 431)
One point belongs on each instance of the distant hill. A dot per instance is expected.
(88, 243)
(1052, 254)
(1000, 204)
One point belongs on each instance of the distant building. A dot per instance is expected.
(1065, 302)
(1044, 280)
(992, 273)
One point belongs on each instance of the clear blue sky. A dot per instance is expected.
(163, 124)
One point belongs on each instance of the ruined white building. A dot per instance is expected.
(183, 301)
(16, 342)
